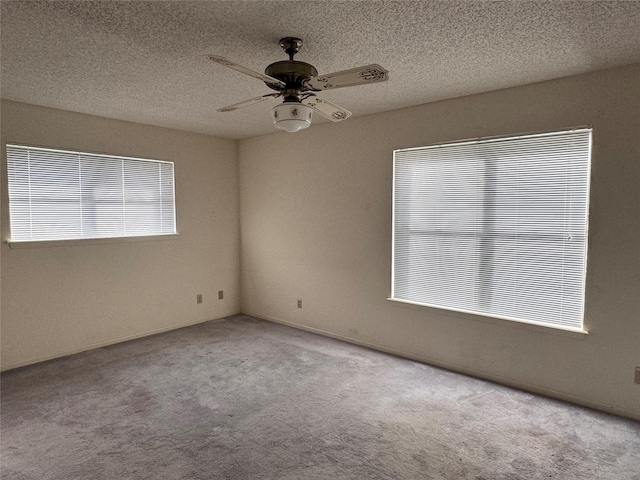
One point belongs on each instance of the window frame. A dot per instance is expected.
(50, 242)
(546, 327)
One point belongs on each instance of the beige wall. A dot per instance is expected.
(316, 225)
(64, 299)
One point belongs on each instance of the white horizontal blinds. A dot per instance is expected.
(58, 195)
(102, 212)
(19, 191)
(38, 207)
(149, 197)
(142, 208)
(496, 227)
(167, 198)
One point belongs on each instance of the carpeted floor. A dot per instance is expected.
(247, 399)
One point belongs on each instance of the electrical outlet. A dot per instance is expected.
(199, 298)
(638, 375)
(220, 294)
(299, 303)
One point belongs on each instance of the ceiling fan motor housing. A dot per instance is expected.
(291, 72)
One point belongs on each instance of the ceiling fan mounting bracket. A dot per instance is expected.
(291, 45)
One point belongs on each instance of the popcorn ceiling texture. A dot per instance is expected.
(144, 61)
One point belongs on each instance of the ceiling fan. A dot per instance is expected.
(296, 81)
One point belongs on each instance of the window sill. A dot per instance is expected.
(89, 241)
(570, 332)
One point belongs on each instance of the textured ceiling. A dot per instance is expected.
(144, 61)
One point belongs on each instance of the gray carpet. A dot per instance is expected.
(249, 399)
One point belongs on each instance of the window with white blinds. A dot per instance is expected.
(496, 227)
(65, 195)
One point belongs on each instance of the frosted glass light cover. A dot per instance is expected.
(291, 116)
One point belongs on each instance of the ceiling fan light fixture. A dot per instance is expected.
(291, 116)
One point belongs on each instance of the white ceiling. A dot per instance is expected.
(143, 61)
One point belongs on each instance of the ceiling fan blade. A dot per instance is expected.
(327, 109)
(246, 103)
(239, 68)
(347, 78)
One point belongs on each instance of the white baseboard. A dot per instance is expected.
(567, 397)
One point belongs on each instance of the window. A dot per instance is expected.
(496, 227)
(64, 195)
